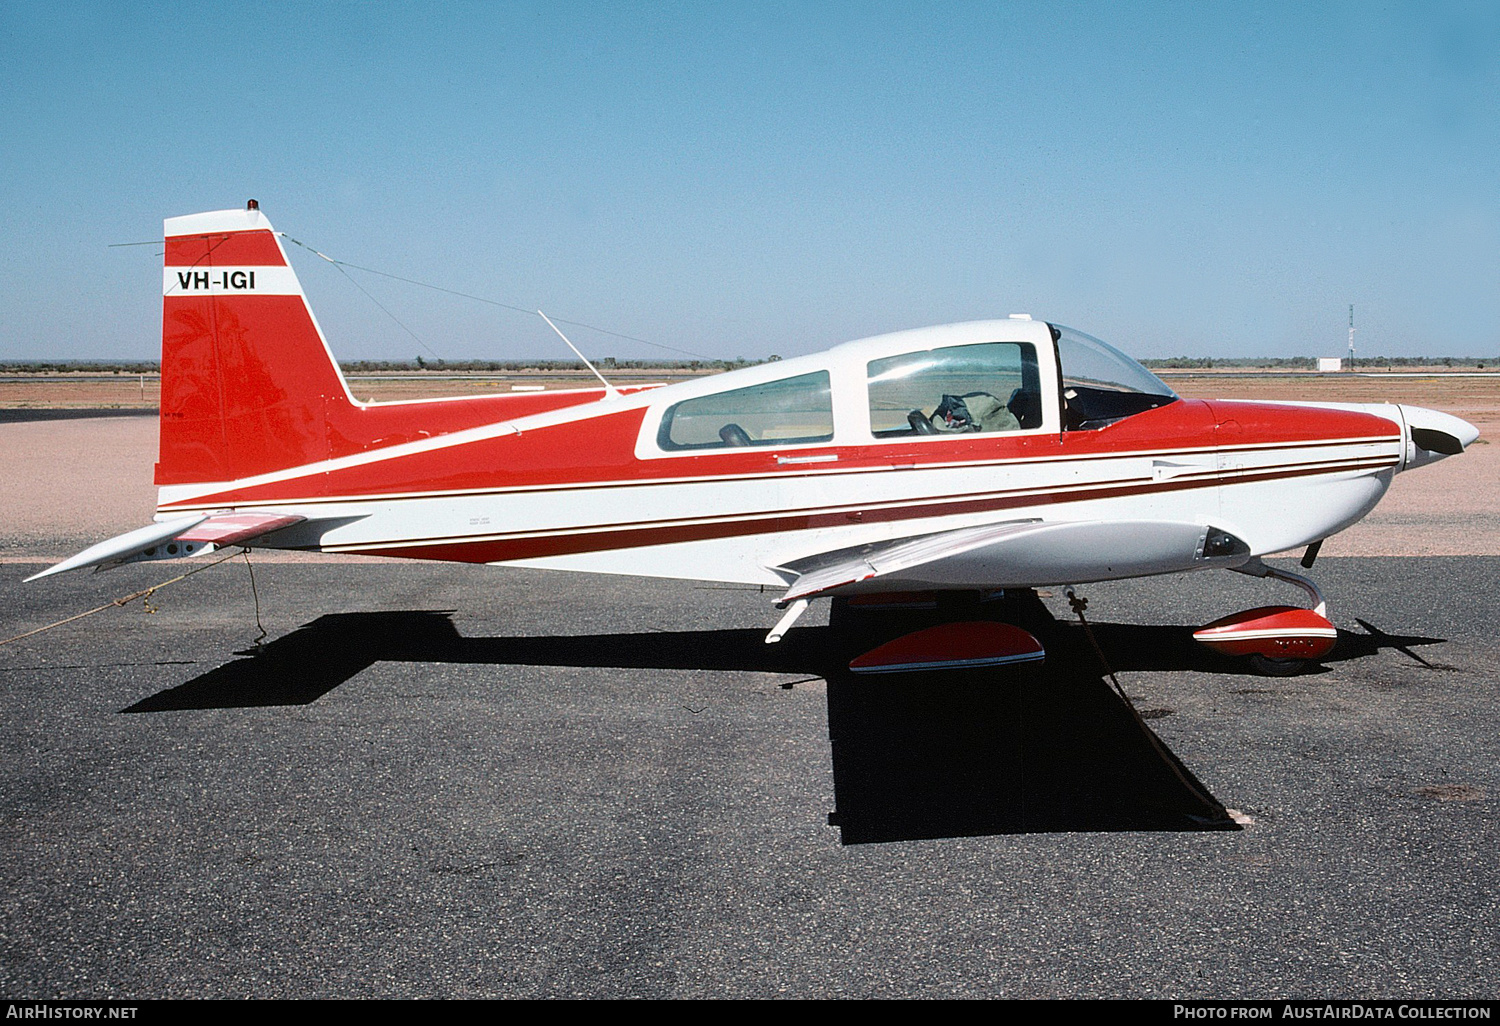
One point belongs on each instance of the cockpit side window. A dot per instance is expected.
(1100, 384)
(991, 387)
(792, 411)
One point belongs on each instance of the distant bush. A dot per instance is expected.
(1309, 363)
(80, 367)
(545, 366)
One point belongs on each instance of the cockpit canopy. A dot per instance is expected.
(992, 377)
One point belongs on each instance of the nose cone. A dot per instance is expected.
(1433, 435)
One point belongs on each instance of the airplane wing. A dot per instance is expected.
(1014, 554)
(181, 536)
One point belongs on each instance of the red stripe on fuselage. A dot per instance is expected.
(623, 536)
(830, 470)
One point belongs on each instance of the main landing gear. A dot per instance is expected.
(957, 630)
(1273, 641)
(1276, 641)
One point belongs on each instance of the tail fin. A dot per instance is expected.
(248, 382)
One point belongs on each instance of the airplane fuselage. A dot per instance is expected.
(590, 485)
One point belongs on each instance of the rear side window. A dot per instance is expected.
(792, 411)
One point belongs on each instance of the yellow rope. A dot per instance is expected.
(144, 593)
(1079, 604)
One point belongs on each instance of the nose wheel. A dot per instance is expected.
(1269, 666)
(1274, 641)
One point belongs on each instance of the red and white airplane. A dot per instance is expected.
(997, 454)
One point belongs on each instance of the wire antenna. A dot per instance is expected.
(610, 391)
(482, 299)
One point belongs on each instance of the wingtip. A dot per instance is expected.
(57, 568)
(115, 550)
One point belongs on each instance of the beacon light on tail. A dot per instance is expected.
(1009, 453)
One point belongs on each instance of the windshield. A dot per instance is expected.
(1100, 384)
(1088, 361)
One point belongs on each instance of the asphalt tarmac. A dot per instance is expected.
(439, 781)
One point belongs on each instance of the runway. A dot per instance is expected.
(448, 781)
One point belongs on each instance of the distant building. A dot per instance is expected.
(1330, 363)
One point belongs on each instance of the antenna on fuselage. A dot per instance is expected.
(610, 391)
(1351, 336)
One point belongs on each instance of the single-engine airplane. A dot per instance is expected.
(998, 454)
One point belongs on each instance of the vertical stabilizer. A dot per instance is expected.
(248, 383)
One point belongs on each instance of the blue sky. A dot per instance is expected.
(747, 179)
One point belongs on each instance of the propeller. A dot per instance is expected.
(1435, 435)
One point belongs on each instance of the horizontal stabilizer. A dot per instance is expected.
(224, 529)
(171, 539)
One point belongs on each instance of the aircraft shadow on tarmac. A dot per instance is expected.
(924, 755)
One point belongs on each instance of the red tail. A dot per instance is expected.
(247, 380)
(248, 385)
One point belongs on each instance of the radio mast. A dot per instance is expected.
(1351, 336)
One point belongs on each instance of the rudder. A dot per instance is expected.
(247, 380)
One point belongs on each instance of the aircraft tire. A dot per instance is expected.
(1265, 666)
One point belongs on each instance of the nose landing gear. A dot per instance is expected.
(1276, 641)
